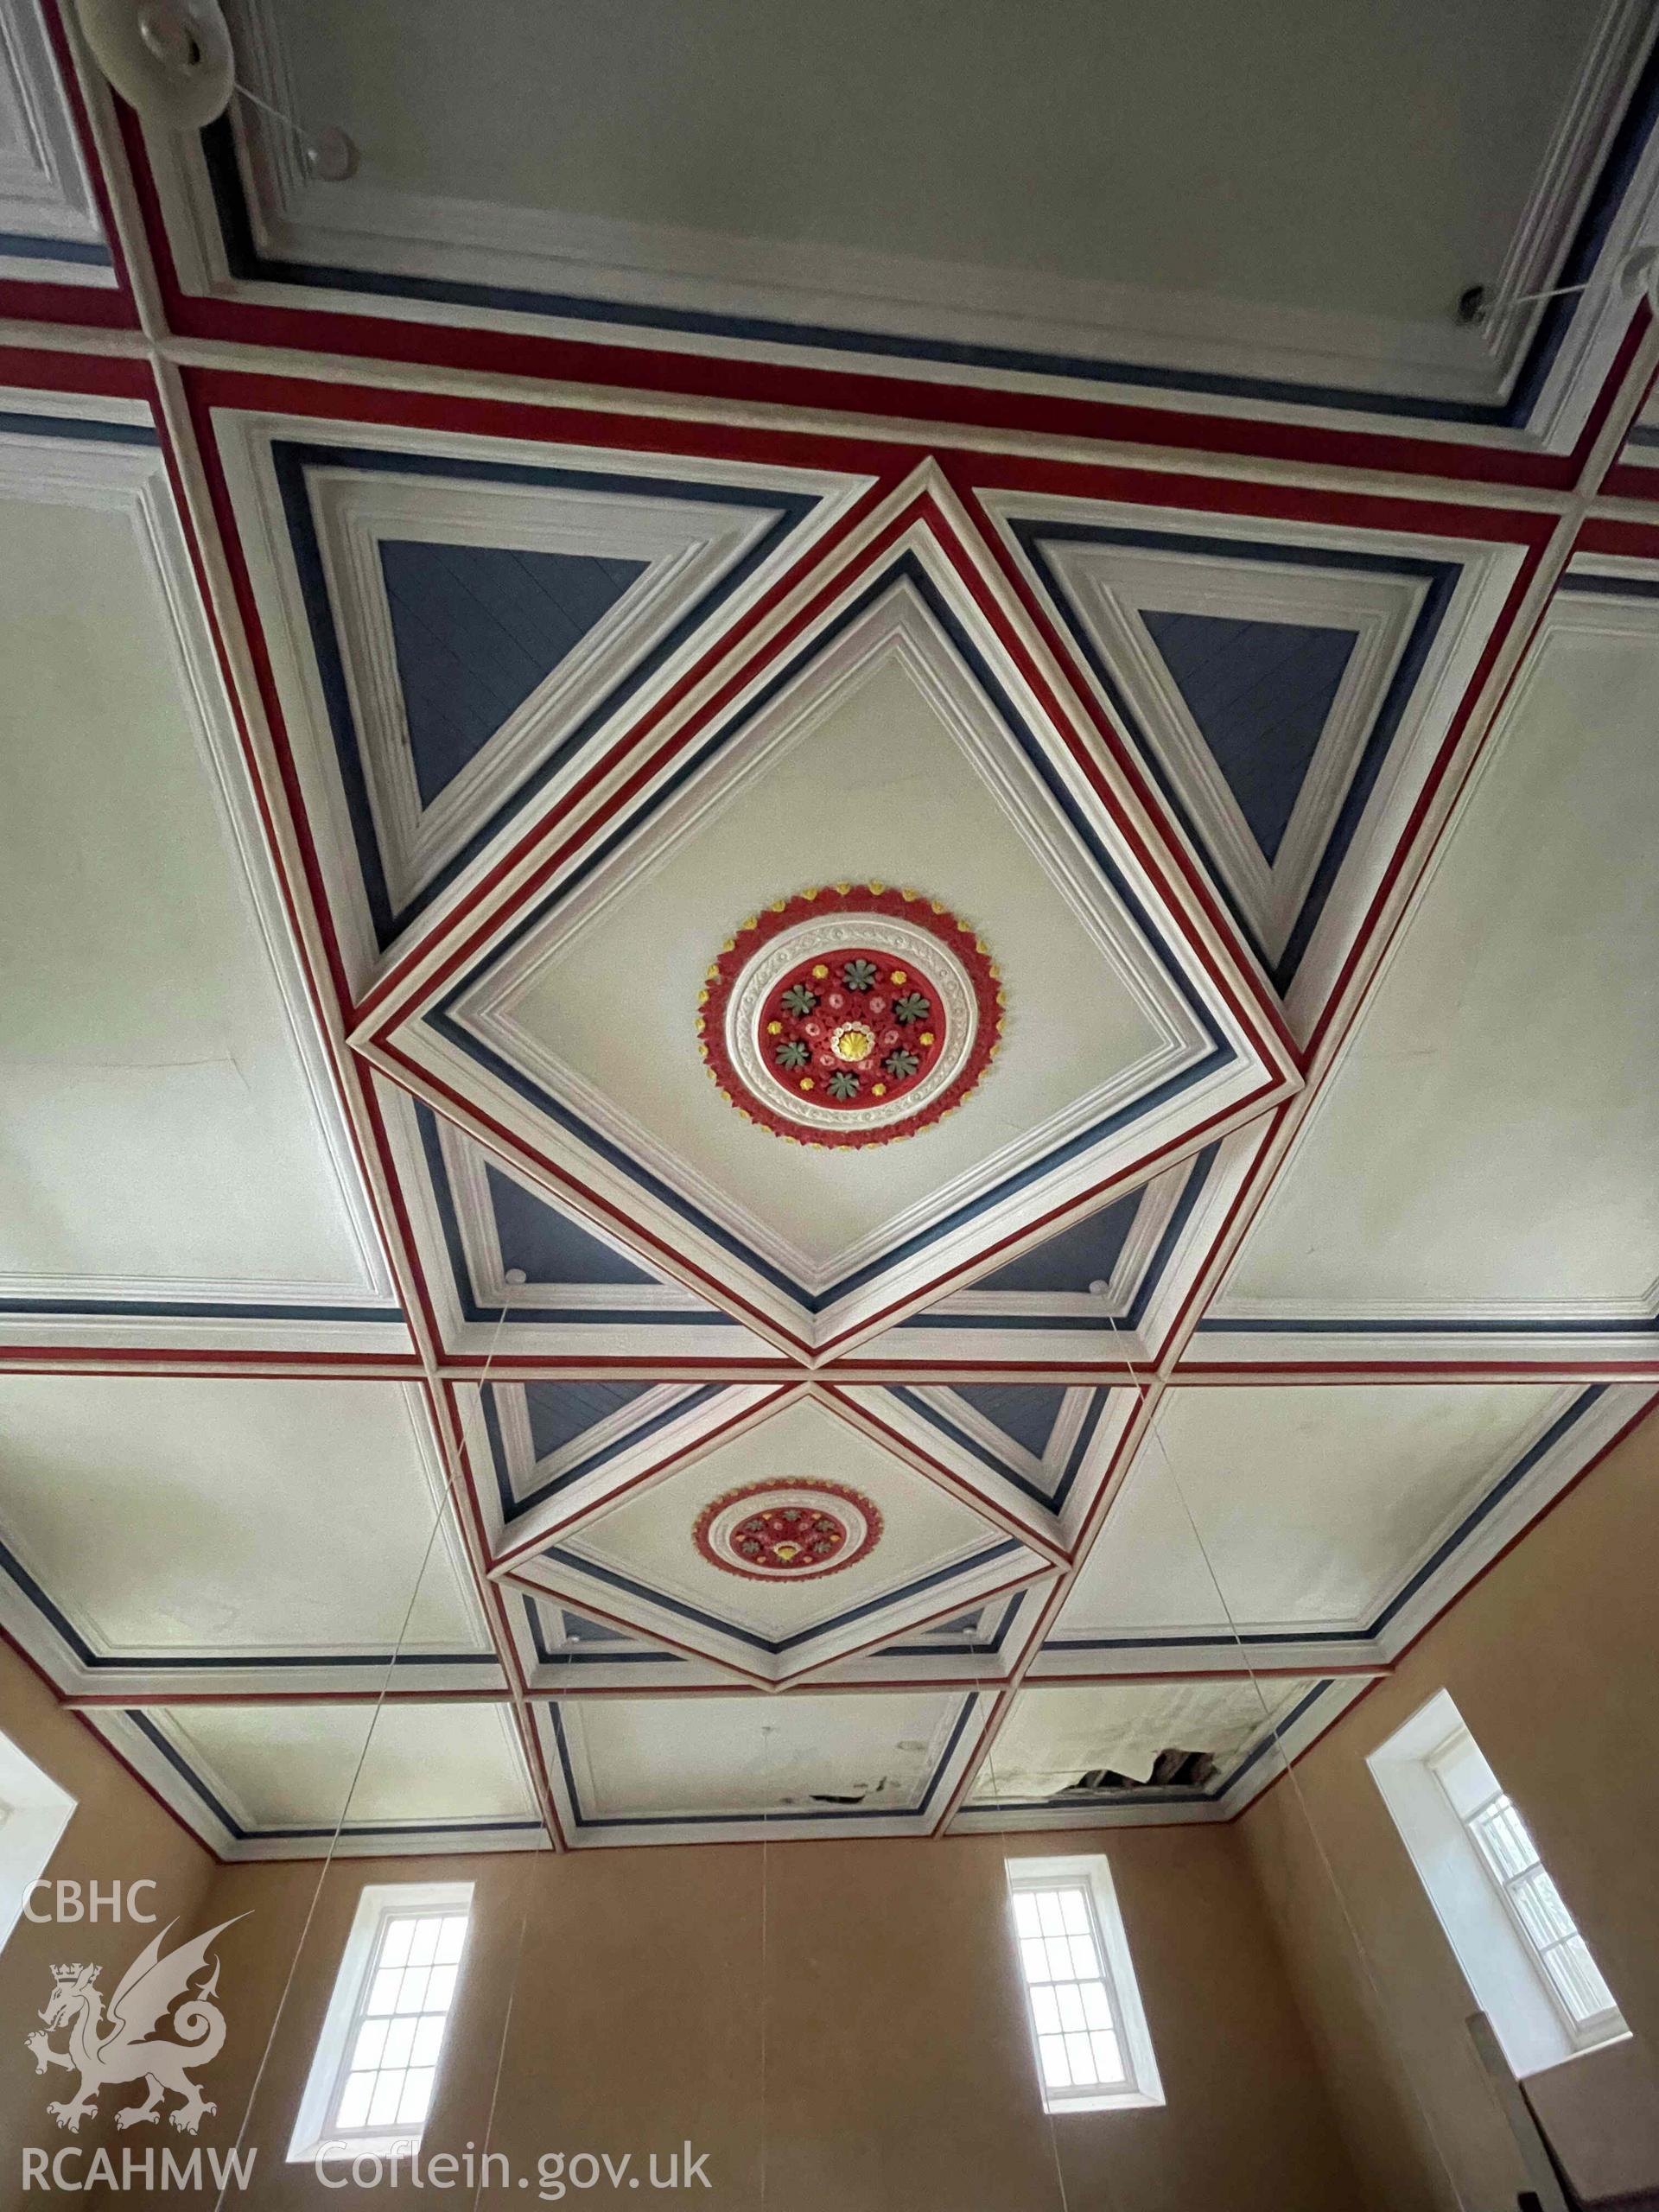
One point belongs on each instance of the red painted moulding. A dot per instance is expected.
(484, 351)
(207, 389)
(1350, 510)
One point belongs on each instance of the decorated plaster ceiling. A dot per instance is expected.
(789, 1079)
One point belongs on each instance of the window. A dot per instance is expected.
(1529, 1968)
(34, 1813)
(1093, 2051)
(371, 2081)
(1522, 1880)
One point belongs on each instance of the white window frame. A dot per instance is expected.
(1505, 1975)
(378, 1903)
(34, 1813)
(1090, 1872)
(1600, 2027)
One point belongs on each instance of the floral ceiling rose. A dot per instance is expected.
(850, 1014)
(787, 1532)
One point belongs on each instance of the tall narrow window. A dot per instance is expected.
(1530, 1897)
(1093, 2051)
(1528, 1968)
(371, 2081)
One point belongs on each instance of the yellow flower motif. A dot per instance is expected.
(877, 889)
(806, 1083)
(878, 1090)
(927, 1036)
(843, 888)
(774, 1029)
(819, 972)
(899, 975)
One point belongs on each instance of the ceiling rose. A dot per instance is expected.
(787, 1532)
(851, 1015)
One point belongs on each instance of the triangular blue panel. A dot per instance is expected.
(559, 1412)
(1085, 1253)
(475, 629)
(547, 1245)
(1260, 693)
(579, 1630)
(1025, 1411)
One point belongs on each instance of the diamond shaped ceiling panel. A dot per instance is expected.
(777, 1551)
(1074, 1027)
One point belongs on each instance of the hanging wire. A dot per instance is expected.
(1287, 1765)
(1001, 1833)
(526, 1880)
(393, 1662)
(766, 1732)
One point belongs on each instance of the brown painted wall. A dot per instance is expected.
(117, 1832)
(1551, 1660)
(876, 1984)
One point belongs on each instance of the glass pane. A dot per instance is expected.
(1056, 2072)
(417, 2094)
(411, 1995)
(1084, 1964)
(1076, 1907)
(1502, 1834)
(451, 1936)
(1543, 1916)
(370, 2042)
(1081, 2058)
(1051, 1913)
(423, 1947)
(354, 2101)
(1045, 2011)
(1577, 1976)
(400, 2041)
(1108, 2063)
(1096, 2006)
(394, 1951)
(1025, 1913)
(1059, 1958)
(383, 2105)
(1071, 2007)
(439, 1990)
(1034, 1952)
(428, 2040)
(383, 1998)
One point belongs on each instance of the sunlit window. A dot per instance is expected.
(1527, 1967)
(392, 2058)
(1547, 1929)
(1093, 2050)
(373, 2078)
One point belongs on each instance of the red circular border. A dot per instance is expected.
(853, 1498)
(874, 899)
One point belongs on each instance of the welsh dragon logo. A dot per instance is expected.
(122, 2048)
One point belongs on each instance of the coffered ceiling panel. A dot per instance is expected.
(737, 1768)
(277, 1781)
(799, 1540)
(1309, 1520)
(175, 1162)
(985, 973)
(210, 1493)
(1508, 1046)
